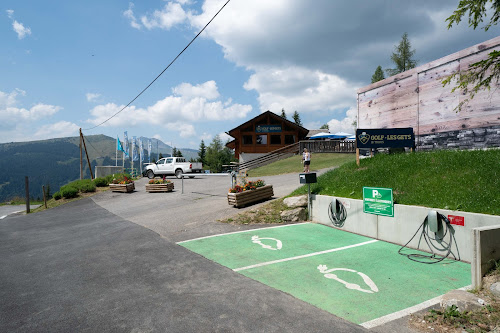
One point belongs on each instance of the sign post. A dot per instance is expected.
(378, 201)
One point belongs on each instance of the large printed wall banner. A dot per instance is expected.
(385, 138)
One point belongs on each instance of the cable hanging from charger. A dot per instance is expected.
(431, 242)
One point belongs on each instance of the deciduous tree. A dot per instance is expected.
(482, 74)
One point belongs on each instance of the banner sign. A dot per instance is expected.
(385, 138)
(268, 128)
(378, 201)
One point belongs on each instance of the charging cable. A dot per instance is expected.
(434, 243)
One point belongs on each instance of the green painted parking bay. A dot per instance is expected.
(351, 276)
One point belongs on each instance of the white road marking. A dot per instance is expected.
(2, 217)
(257, 240)
(405, 312)
(242, 231)
(304, 256)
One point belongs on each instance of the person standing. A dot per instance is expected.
(306, 159)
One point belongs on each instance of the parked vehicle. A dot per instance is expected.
(172, 166)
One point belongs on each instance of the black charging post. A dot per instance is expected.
(308, 178)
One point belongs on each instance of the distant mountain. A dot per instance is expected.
(56, 162)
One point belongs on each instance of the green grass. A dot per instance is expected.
(294, 164)
(456, 180)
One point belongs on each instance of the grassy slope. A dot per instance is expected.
(457, 180)
(294, 164)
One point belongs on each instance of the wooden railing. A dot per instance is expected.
(273, 156)
(332, 146)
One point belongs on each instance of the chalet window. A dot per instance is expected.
(247, 139)
(289, 139)
(275, 139)
(261, 139)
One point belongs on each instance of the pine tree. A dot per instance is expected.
(378, 75)
(283, 113)
(296, 118)
(325, 126)
(174, 152)
(202, 153)
(402, 57)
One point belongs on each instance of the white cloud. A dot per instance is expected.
(92, 97)
(207, 90)
(225, 137)
(129, 13)
(158, 137)
(58, 130)
(344, 125)
(170, 15)
(189, 104)
(185, 130)
(18, 27)
(10, 114)
(301, 89)
(206, 137)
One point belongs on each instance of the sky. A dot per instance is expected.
(66, 65)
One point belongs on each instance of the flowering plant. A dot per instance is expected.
(122, 179)
(247, 186)
(159, 181)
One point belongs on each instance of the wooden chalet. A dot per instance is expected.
(263, 134)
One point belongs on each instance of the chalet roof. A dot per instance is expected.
(314, 132)
(273, 115)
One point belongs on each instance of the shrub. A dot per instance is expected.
(101, 182)
(68, 192)
(57, 196)
(109, 178)
(83, 185)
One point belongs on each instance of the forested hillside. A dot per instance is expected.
(56, 162)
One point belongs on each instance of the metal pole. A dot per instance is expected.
(44, 197)
(309, 202)
(182, 181)
(27, 187)
(81, 156)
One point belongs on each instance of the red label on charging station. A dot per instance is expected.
(456, 220)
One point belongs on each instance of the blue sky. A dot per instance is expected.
(71, 64)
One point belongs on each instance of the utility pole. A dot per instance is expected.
(86, 154)
(81, 156)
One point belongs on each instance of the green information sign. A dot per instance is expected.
(378, 201)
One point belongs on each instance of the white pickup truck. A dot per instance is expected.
(172, 166)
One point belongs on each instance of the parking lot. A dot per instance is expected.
(351, 276)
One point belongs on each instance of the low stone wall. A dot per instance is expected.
(475, 138)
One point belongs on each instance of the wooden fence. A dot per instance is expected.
(332, 146)
(416, 98)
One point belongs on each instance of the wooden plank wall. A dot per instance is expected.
(416, 98)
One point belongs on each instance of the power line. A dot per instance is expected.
(170, 64)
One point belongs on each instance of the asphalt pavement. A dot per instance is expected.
(178, 217)
(80, 267)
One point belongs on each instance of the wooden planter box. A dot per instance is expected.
(160, 187)
(248, 197)
(122, 187)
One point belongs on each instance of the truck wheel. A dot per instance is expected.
(178, 173)
(151, 174)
